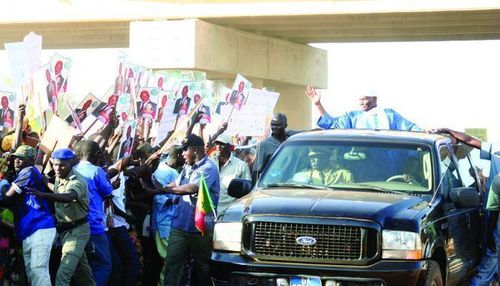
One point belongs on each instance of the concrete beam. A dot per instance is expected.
(223, 52)
(231, 51)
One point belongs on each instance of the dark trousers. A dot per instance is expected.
(180, 245)
(125, 259)
(97, 250)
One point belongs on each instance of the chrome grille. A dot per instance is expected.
(334, 243)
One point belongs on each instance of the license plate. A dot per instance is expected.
(305, 281)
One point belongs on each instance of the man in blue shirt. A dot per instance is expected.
(184, 237)
(369, 117)
(164, 205)
(35, 225)
(99, 188)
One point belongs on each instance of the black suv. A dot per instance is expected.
(353, 207)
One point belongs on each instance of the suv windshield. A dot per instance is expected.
(346, 165)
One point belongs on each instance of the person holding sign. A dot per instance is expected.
(35, 225)
(369, 117)
(198, 173)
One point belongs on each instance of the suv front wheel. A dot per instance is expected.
(432, 276)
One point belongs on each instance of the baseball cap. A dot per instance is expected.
(63, 154)
(224, 138)
(25, 151)
(192, 141)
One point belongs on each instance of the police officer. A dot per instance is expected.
(71, 206)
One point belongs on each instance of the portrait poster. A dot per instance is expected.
(60, 67)
(159, 80)
(166, 97)
(121, 72)
(56, 75)
(72, 114)
(83, 112)
(224, 94)
(123, 109)
(137, 76)
(183, 99)
(239, 92)
(147, 102)
(104, 109)
(205, 96)
(127, 139)
(167, 118)
(8, 108)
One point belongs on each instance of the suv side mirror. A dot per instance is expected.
(465, 197)
(239, 187)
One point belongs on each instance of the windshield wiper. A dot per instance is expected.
(292, 185)
(376, 188)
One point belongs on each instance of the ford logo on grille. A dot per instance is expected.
(306, 240)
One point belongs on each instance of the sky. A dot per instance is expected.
(434, 84)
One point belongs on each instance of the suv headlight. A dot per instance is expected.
(227, 236)
(401, 245)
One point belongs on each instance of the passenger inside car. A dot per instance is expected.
(325, 169)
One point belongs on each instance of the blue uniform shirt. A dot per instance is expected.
(31, 213)
(356, 119)
(184, 219)
(99, 188)
(164, 206)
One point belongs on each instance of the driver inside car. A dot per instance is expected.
(325, 169)
(412, 172)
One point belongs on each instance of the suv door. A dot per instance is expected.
(469, 178)
(457, 219)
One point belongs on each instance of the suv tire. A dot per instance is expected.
(431, 277)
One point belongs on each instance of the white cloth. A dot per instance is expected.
(36, 254)
(375, 118)
(119, 201)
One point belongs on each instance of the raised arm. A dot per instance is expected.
(462, 137)
(315, 99)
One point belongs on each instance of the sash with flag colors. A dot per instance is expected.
(204, 206)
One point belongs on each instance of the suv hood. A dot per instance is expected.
(374, 206)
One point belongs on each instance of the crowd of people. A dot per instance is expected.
(85, 218)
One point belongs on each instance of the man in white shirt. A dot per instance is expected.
(230, 167)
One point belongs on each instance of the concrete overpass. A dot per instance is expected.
(265, 40)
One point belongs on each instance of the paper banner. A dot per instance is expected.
(17, 54)
(58, 135)
(250, 121)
